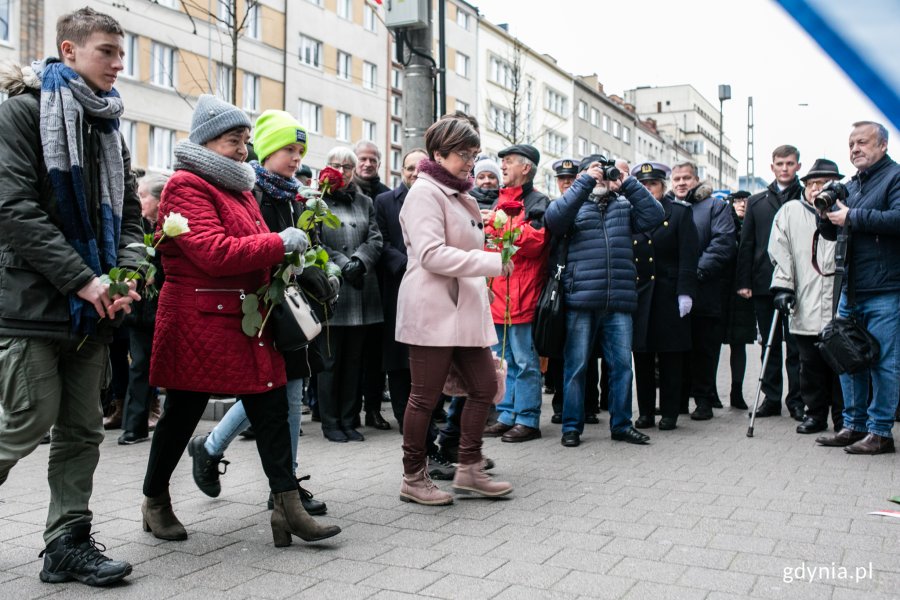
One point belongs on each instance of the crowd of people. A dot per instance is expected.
(428, 288)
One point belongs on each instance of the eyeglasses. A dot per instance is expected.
(339, 166)
(467, 156)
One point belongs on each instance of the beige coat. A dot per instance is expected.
(790, 248)
(443, 298)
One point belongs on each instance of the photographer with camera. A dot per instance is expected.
(599, 283)
(871, 217)
(806, 290)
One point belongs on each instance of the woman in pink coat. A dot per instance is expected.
(443, 312)
(199, 348)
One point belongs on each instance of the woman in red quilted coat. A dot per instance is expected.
(199, 347)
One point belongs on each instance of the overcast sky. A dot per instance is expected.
(753, 45)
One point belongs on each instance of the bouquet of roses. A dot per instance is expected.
(501, 235)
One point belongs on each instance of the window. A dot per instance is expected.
(582, 110)
(316, 2)
(342, 127)
(4, 20)
(556, 144)
(345, 9)
(310, 116)
(582, 147)
(168, 3)
(556, 102)
(223, 82)
(226, 17)
(395, 181)
(251, 93)
(595, 117)
(462, 19)
(463, 106)
(395, 160)
(396, 106)
(162, 65)
(129, 134)
(396, 132)
(701, 173)
(595, 149)
(130, 61)
(606, 123)
(161, 143)
(626, 134)
(310, 51)
(462, 65)
(500, 120)
(617, 129)
(397, 79)
(369, 20)
(251, 27)
(502, 73)
(370, 130)
(370, 75)
(344, 65)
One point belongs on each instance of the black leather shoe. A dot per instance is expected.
(798, 413)
(354, 436)
(571, 439)
(592, 419)
(769, 409)
(206, 467)
(811, 425)
(248, 434)
(716, 403)
(129, 437)
(556, 419)
(645, 422)
(76, 556)
(737, 400)
(703, 412)
(667, 424)
(632, 436)
(313, 507)
(872, 444)
(374, 419)
(844, 437)
(334, 435)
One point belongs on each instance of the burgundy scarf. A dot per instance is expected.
(445, 177)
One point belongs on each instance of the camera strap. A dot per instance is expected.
(841, 252)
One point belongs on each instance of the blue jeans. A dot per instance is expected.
(614, 331)
(880, 313)
(522, 403)
(236, 421)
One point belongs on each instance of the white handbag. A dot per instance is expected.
(295, 324)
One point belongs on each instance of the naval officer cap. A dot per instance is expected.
(566, 167)
(650, 170)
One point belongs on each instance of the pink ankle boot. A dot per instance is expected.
(471, 479)
(419, 488)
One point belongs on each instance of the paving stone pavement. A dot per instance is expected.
(703, 512)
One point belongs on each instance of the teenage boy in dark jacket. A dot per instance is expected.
(68, 211)
(754, 276)
(872, 218)
(600, 289)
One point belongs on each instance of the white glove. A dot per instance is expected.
(294, 240)
(684, 305)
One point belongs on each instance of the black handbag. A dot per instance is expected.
(294, 323)
(845, 344)
(548, 330)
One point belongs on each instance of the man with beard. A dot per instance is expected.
(754, 276)
(715, 234)
(366, 178)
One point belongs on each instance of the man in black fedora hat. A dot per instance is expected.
(807, 294)
(754, 276)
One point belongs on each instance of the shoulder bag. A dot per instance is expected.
(548, 329)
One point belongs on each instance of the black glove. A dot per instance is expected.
(701, 275)
(354, 273)
(784, 301)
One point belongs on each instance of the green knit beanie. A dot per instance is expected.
(276, 129)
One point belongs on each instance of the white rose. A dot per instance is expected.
(175, 225)
(500, 219)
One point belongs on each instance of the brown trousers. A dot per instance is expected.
(429, 367)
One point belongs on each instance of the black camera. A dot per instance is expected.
(826, 200)
(610, 172)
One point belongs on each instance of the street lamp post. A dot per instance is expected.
(724, 94)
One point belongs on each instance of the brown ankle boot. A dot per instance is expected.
(114, 421)
(471, 479)
(160, 519)
(289, 517)
(419, 488)
(155, 413)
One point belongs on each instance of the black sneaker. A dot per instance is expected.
(440, 469)
(129, 437)
(206, 467)
(75, 555)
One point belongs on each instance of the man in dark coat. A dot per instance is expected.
(754, 276)
(666, 262)
(68, 211)
(365, 175)
(715, 233)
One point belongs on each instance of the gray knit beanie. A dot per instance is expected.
(488, 164)
(213, 117)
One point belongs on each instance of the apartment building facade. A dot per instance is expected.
(601, 126)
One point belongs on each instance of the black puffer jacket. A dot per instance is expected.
(38, 267)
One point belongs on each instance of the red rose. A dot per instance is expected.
(510, 206)
(330, 180)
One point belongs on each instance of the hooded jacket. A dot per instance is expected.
(754, 269)
(600, 272)
(38, 267)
